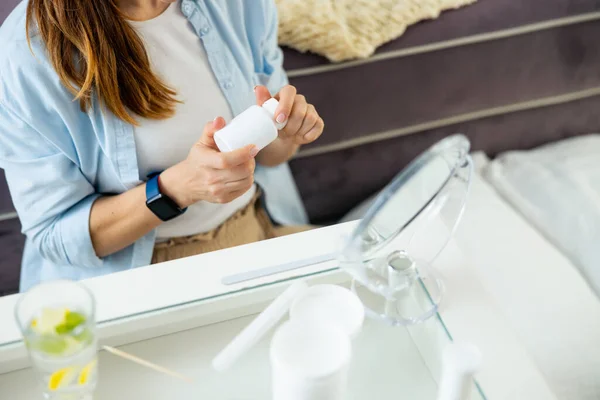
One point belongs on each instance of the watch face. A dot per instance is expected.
(164, 208)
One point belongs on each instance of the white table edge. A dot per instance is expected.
(133, 305)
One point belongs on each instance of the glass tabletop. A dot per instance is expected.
(387, 363)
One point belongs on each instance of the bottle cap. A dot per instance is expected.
(460, 362)
(271, 106)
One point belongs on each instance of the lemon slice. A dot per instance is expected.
(49, 320)
(85, 373)
(48, 344)
(61, 378)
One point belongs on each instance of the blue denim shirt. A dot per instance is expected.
(58, 159)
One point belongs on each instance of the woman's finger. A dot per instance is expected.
(208, 134)
(314, 133)
(233, 190)
(230, 159)
(236, 193)
(286, 97)
(296, 119)
(239, 184)
(310, 120)
(240, 172)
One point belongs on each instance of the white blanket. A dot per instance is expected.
(541, 293)
(557, 189)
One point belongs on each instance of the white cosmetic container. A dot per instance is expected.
(329, 304)
(310, 354)
(256, 125)
(460, 362)
(309, 362)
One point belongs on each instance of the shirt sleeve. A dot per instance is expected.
(273, 56)
(52, 196)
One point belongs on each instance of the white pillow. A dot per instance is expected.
(557, 188)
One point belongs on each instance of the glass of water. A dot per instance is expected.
(58, 325)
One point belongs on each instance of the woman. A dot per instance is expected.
(102, 105)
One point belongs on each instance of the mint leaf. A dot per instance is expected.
(72, 321)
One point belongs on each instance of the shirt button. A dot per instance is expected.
(186, 8)
(228, 85)
(204, 30)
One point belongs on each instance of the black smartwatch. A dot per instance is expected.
(161, 205)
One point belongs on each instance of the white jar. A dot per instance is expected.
(256, 125)
(330, 304)
(309, 362)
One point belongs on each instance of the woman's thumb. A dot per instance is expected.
(208, 134)
(262, 94)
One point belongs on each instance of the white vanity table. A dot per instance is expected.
(403, 361)
(180, 314)
(169, 336)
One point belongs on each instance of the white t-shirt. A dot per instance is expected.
(177, 55)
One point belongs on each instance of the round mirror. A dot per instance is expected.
(392, 249)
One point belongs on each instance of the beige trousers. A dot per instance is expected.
(250, 224)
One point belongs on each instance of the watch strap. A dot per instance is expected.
(160, 204)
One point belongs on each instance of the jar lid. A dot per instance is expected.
(271, 106)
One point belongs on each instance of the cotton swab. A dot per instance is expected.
(146, 364)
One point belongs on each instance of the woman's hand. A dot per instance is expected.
(298, 123)
(209, 175)
(297, 120)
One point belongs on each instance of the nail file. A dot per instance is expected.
(276, 269)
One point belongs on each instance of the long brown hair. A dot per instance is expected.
(96, 52)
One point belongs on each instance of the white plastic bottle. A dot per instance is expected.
(256, 125)
(460, 362)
